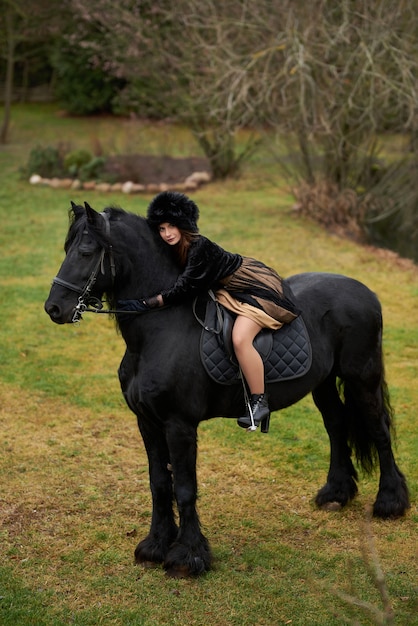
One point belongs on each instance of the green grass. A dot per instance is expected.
(74, 494)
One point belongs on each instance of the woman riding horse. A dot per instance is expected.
(248, 288)
(118, 254)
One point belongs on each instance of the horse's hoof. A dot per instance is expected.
(148, 564)
(178, 571)
(389, 512)
(331, 506)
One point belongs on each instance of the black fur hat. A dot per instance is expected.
(175, 208)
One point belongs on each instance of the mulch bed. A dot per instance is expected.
(147, 169)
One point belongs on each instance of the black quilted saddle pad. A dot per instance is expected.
(286, 352)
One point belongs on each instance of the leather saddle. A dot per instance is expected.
(286, 352)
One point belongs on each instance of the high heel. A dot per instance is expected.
(265, 424)
(258, 413)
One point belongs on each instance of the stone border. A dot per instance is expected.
(190, 183)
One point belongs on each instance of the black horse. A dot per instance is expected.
(165, 385)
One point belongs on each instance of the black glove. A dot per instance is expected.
(137, 306)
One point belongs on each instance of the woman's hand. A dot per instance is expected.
(140, 306)
(154, 301)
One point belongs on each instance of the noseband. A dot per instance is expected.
(84, 299)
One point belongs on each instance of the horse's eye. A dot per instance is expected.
(85, 251)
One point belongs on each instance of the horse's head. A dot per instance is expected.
(88, 267)
(114, 253)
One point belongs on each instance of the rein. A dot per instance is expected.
(216, 331)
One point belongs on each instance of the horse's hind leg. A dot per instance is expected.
(371, 405)
(369, 415)
(341, 485)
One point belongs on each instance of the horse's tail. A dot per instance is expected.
(363, 408)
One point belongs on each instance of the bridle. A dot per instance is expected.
(87, 303)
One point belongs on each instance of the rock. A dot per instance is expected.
(127, 187)
(152, 188)
(116, 187)
(199, 178)
(65, 183)
(178, 187)
(137, 188)
(89, 185)
(103, 187)
(190, 185)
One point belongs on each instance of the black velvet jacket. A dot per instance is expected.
(207, 264)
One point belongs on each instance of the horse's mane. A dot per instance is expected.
(78, 224)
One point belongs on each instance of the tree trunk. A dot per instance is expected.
(8, 89)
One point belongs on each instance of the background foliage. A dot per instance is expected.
(325, 78)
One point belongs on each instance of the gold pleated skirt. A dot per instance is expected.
(255, 278)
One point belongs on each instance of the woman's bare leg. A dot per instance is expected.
(243, 334)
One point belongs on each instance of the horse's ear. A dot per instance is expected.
(90, 212)
(76, 210)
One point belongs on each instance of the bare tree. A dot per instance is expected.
(346, 70)
(335, 77)
(327, 74)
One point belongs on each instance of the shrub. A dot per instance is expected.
(386, 214)
(339, 210)
(391, 217)
(51, 162)
(47, 162)
(93, 169)
(75, 160)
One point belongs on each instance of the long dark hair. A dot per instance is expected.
(182, 248)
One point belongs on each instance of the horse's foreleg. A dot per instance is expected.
(341, 485)
(189, 555)
(163, 530)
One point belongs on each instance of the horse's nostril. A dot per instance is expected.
(53, 311)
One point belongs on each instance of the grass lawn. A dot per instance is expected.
(74, 495)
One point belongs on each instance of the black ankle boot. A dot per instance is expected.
(260, 411)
